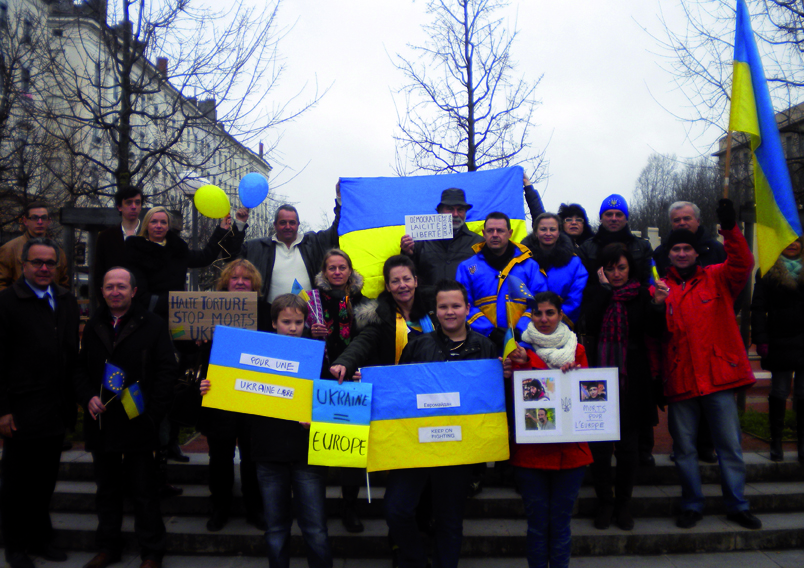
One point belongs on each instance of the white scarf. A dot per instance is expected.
(555, 349)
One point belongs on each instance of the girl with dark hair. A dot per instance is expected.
(617, 310)
(549, 476)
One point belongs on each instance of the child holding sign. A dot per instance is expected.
(280, 449)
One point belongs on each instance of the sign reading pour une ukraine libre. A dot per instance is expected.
(436, 414)
(263, 373)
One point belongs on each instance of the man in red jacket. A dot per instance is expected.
(705, 362)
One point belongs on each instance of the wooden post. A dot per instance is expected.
(727, 166)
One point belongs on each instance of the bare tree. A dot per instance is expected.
(654, 191)
(699, 57)
(464, 110)
(145, 93)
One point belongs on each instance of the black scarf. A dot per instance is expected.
(499, 262)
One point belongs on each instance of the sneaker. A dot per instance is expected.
(688, 519)
(745, 520)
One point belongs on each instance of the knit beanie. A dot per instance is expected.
(614, 201)
(682, 236)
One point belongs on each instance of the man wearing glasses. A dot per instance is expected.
(36, 221)
(38, 349)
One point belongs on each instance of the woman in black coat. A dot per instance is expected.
(226, 430)
(160, 258)
(777, 328)
(618, 311)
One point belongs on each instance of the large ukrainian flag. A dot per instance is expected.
(778, 223)
(373, 212)
(436, 414)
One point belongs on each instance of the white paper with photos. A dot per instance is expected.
(578, 406)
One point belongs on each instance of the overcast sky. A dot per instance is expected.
(602, 93)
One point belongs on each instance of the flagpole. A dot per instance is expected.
(727, 166)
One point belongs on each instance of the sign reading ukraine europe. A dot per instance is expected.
(436, 414)
(263, 373)
(373, 212)
(339, 433)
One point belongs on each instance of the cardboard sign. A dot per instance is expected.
(338, 445)
(436, 414)
(578, 406)
(339, 434)
(348, 403)
(194, 315)
(263, 373)
(428, 227)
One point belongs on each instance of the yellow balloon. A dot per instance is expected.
(212, 202)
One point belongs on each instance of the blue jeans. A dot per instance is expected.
(721, 414)
(402, 492)
(549, 496)
(309, 484)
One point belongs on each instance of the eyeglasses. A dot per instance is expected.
(39, 263)
(37, 218)
(574, 220)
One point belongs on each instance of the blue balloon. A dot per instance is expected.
(253, 190)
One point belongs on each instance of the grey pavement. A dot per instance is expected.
(754, 559)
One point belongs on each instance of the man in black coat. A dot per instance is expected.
(137, 341)
(38, 346)
(614, 229)
(687, 215)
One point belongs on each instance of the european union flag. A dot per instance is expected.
(133, 401)
(518, 296)
(114, 378)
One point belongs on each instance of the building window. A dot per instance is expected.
(25, 80)
(27, 29)
(3, 15)
(58, 32)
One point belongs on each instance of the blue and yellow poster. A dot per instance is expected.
(373, 213)
(437, 414)
(263, 373)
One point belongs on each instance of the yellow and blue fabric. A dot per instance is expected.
(133, 401)
(489, 294)
(225, 369)
(113, 378)
(373, 212)
(298, 290)
(778, 223)
(405, 328)
(396, 419)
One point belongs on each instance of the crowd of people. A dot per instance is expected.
(593, 301)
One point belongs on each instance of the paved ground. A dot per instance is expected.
(771, 559)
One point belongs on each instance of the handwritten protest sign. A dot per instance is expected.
(263, 373)
(194, 315)
(579, 406)
(428, 227)
(437, 414)
(339, 434)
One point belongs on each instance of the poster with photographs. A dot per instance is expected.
(579, 406)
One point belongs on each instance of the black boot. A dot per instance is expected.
(776, 407)
(165, 489)
(800, 429)
(351, 521)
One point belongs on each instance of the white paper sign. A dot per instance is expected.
(264, 388)
(438, 400)
(268, 363)
(578, 406)
(428, 227)
(439, 434)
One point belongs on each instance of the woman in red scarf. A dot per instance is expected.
(617, 310)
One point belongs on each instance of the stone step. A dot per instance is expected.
(77, 466)
(492, 502)
(482, 537)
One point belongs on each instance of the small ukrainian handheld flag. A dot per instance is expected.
(299, 291)
(114, 378)
(133, 401)
(509, 345)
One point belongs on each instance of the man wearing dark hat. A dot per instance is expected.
(687, 215)
(439, 260)
(705, 363)
(614, 229)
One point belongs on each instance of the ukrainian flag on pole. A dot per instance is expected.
(778, 223)
(373, 212)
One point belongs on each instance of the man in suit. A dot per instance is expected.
(38, 346)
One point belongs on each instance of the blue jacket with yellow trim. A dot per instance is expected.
(488, 289)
